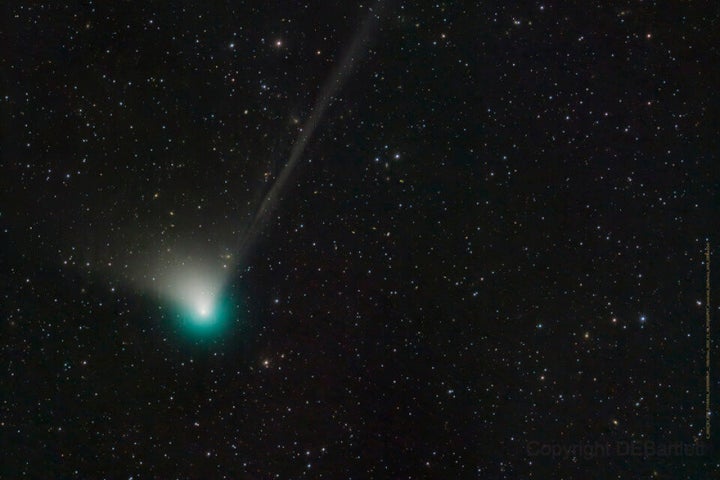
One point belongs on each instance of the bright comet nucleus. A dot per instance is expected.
(199, 296)
(204, 308)
(196, 293)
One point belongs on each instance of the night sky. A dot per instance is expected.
(401, 240)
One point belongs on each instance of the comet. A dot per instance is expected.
(196, 285)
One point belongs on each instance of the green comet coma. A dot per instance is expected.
(206, 320)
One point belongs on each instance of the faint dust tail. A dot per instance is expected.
(329, 90)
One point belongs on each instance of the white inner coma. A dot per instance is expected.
(195, 291)
(204, 307)
(200, 299)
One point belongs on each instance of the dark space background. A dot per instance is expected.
(495, 237)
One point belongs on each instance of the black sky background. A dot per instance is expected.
(492, 186)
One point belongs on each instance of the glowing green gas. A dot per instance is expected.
(205, 316)
(200, 303)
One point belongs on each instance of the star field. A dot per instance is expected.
(402, 240)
